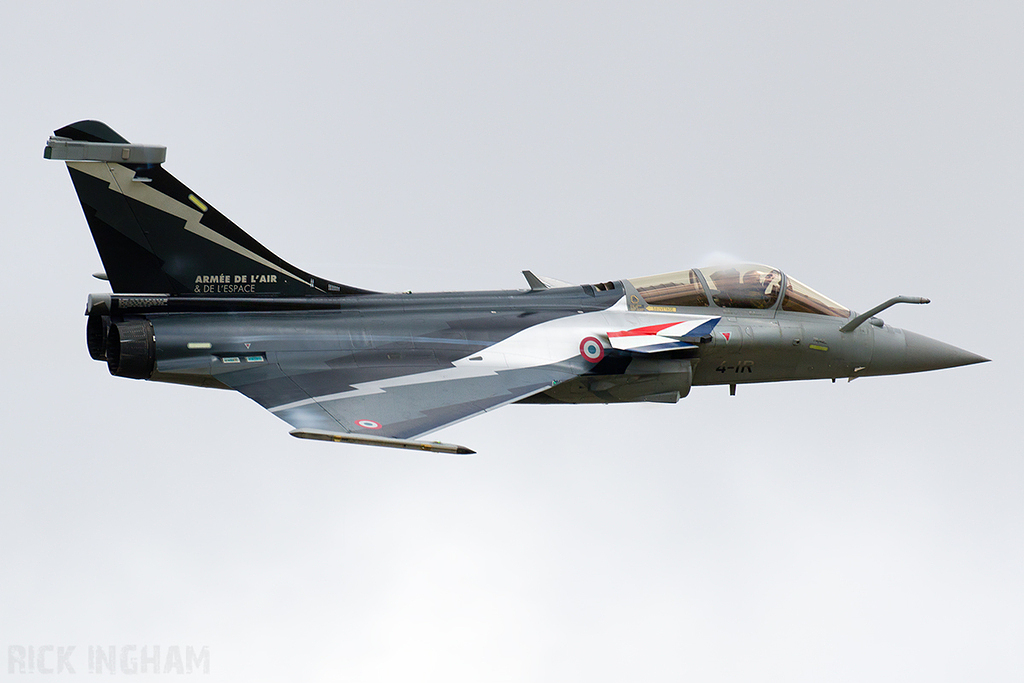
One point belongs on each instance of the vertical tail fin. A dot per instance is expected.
(155, 235)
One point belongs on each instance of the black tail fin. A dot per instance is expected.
(155, 235)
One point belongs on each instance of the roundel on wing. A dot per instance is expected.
(368, 424)
(592, 349)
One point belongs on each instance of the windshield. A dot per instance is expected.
(802, 299)
(743, 286)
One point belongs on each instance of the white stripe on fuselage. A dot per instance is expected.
(545, 343)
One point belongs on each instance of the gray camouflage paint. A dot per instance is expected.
(197, 301)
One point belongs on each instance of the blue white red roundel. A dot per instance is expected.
(368, 424)
(592, 349)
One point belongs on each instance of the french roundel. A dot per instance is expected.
(592, 349)
(368, 424)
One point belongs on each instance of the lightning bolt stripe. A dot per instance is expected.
(120, 179)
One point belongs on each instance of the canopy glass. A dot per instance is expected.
(749, 285)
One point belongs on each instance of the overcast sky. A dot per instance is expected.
(794, 532)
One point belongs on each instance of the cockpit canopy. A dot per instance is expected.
(747, 285)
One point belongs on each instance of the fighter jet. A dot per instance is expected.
(195, 300)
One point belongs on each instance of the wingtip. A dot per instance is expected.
(370, 440)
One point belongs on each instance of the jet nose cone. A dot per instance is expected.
(925, 353)
(900, 351)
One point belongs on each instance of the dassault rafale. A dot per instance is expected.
(195, 300)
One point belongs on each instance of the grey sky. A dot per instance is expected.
(796, 532)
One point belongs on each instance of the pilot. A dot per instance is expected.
(752, 290)
(759, 289)
(727, 284)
